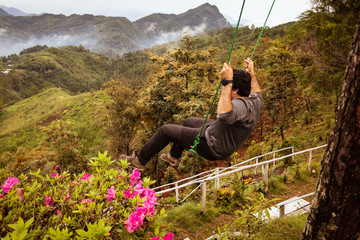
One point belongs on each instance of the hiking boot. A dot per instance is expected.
(174, 162)
(133, 162)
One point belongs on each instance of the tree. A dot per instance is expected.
(280, 87)
(124, 116)
(180, 84)
(335, 209)
(324, 34)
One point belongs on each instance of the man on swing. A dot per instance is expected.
(238, 111)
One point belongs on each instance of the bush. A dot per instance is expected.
(106, 204)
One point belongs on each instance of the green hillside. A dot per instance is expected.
(74, 69)
(23, 123)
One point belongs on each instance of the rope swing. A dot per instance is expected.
(193, 150)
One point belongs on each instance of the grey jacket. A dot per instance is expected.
(231, 129)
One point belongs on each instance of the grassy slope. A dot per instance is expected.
(22, 122)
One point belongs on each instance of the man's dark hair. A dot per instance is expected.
(242, 82)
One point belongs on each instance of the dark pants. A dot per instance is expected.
(182, 138)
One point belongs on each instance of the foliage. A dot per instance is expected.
(64, 142)
(286, 228)
(280, 88)
(171, 175)
(24, 123)
(40, 68)
(181, 84)
(124, 117)
(250, 219)
(188, 215)
(100, 205)
(224, 196)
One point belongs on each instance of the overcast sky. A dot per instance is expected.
(255, 11)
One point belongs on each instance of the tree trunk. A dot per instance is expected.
(335, 209)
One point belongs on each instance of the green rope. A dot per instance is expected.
(193, 150)
(252, 54)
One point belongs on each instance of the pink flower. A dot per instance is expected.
(138, 189)
(155, 238)
(86, 177)
(146, 208)
(127, 193)
(111, 194)
(74, 182)
(1, 196)
(134, 176)
(20, 192)
(135, 220)
(169, 236)
(9, 184)
(47, 201)
(67, 197)
(54, 174)
(58, 212)
(86, 201)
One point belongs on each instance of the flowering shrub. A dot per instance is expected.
(104, 204)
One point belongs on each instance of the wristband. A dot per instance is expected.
(225, 82)
(253, 74)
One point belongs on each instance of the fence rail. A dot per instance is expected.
(216, 174)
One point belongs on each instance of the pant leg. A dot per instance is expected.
(181, 136)
(192, 122)
(196, 122)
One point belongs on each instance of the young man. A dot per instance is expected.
(238, 111)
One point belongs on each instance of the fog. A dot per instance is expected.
(14, 45)
(165, 37)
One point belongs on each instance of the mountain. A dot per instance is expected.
(3, 12)
(74, 69)
(157, 26)
(13, 11)
(108, 35)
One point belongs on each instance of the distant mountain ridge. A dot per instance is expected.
(14, 11)
(108, 35)
(3, 12)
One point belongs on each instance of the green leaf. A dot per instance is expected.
(29, 222)
(157, 231)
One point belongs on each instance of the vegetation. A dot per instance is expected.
(39, 68)
(101, 104)
(105, 204)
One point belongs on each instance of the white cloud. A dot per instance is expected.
(2, 31)
(165, 37)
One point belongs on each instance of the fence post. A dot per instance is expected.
(282, 210)
(292, 151)
(203, 204)
(177, 192)
(266, 175)
(217, 180)
(274, 156)
(310, 157)
(257, 161)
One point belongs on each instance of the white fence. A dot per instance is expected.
(216, 174)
